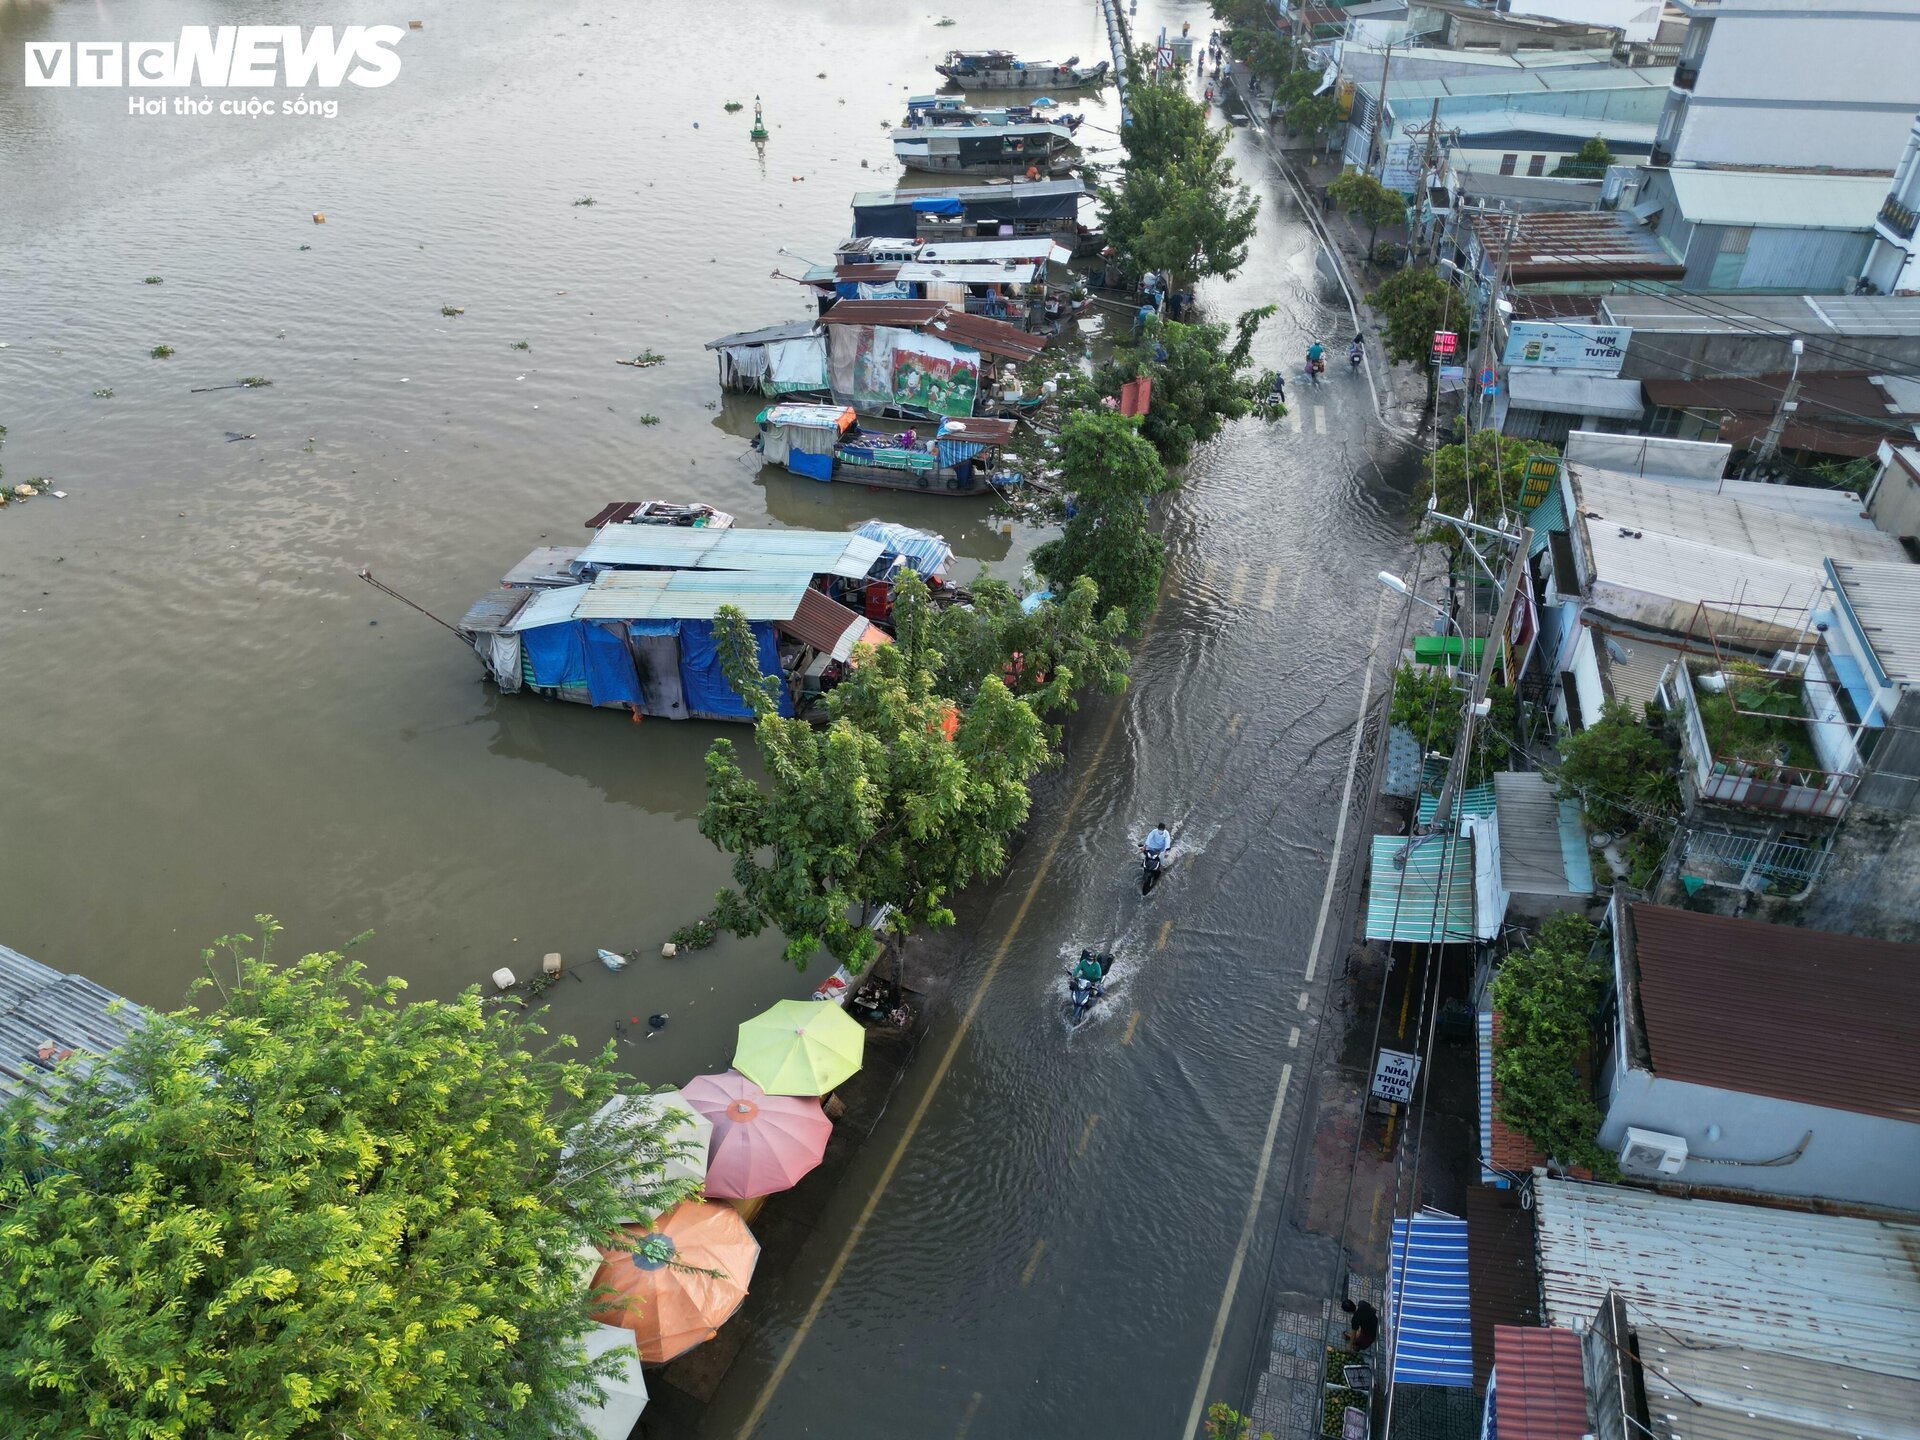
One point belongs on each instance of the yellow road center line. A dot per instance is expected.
(1233, 725)
(1240, 573)
(834, 1271)
(1133, 1023)
(1087, 1134)
(1373, 1217)
(966, 1420)
(1272, 592)
(1033, 1261)
(1166, 929)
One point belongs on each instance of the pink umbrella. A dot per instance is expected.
(761, 1142)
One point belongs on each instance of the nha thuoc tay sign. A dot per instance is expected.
(218, 57)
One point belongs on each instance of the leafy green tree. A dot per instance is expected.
(311, 1210)
(1199, 380)
(1590, 164)
(1045, 656)
(1620, 771)
(1415, 302)
(1482, 473)
(1177, 207)
(1429, 704)
(903, 798)
(1372, 203)
(1313, 115)
(1547, 995)
(1111, 470)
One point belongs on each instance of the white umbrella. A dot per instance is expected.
(623, 1395)
(692, 1127)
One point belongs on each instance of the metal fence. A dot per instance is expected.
(1743, 859)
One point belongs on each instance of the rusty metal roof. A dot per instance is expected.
(1577, 245)
(1805, 1015)
(1542, 1390)
(1503, 1277)
(908, 313)
(995, 337)
(826, 625)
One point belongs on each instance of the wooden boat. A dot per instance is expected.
(1003, 70)
(829, 443)
(984, 149)
(660, 512)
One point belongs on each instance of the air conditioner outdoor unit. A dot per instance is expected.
(1649, 1150)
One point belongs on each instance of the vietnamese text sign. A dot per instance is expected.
(1599, 348)
(1393, 1076)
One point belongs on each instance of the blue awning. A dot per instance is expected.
(1432, 1338)
(1854, 681)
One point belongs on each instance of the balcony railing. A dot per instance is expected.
(1685, 75)
(1897, 217)
(1778, 788)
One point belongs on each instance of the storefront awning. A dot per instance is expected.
(1573, 392)
(1428, 899)
(1427, 1302)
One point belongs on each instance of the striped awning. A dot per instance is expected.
(1426, 899)
(1427, 1301)
(1483, 1034)
(1478, 800)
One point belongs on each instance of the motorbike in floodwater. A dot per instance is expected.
(1152, 862)
(1082, 991)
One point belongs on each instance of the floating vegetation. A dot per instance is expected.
(943, 22)
(306, 247)
(733, 107)
(161, 352)
(697, 936)
(521, 345)
(645, 360)
(105, 392)
(649, 419)
(255, 382)
(154, 280)
(584, 200)
(451, 310)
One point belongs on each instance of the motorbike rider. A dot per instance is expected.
(1087, 968)
(1316, 359)
(1356, 352)
(1159, 840)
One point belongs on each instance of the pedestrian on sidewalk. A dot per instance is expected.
(1366, 1325)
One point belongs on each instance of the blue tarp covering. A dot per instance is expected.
(940, 205)
(1433, 1344)
(701, 679)
(1854, 680)
(814, 467)
(638, 628)
(557, 653)
(611, 679)
(952, 452)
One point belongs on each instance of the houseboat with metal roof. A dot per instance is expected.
(1004, 70)
(1035, 150)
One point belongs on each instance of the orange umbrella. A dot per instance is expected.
(686, 1274)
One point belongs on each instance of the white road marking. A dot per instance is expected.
(1293, 1037)
(1319, 419)
(1272, 592)
(1239, 594)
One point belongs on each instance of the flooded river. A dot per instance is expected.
(205, 715)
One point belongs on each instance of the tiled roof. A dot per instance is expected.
(1540, 1390)
(1806, 1015)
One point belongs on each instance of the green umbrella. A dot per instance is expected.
(799, 1047)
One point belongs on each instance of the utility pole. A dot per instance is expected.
(1463, 751)
(1769, 445)
(1376, 143)
(1429, 167)
(1509, 231)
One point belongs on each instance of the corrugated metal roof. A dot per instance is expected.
(1707, 1273)
(826, 624)
(908, 314)
(925, 552)
(1779, 198)
(1825, 315)
(544, 565)
(547, 607)
(689, 595)
(871, 199)
(1404, 902)
(490, 614)
(1543, 850)
(1635, 665)
(766, 335)
(41, 1007)
(810, 552)
(1017, 247)
(1483, 1077)
(1427, 1301)
(982, 332)
(1575, 245)
(1503, 1276)
(1727, 1393)
(985, 272)
(1475, 800)
(1884, 602)
(1805, 1015)
(1541, 1389)
(1545, 518)
(1573, 78)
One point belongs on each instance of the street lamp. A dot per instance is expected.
(1400, 587)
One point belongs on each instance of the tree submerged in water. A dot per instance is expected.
(312, 1210)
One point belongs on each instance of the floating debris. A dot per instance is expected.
(232, 436)
(319, 217)
(161, 352)
(451, 310)
(649, 419)
(306, 247)
(105, 392)
(612, 961)
(154, 280)
(645, 360)
(246, 382)
(521, 345)
(733, 107)
(584, 200)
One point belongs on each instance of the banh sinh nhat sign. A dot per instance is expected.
(1538, 479)
(1393, 1076)
(1595, 348)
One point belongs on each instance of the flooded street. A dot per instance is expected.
(206, 714)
